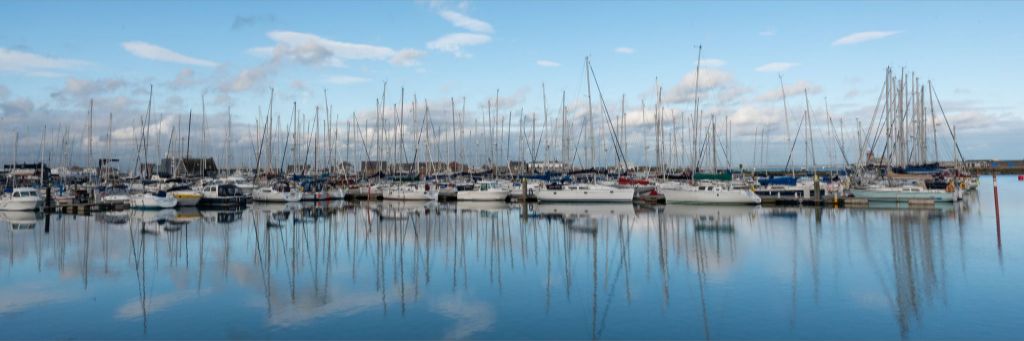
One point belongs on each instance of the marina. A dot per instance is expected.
(510, 170)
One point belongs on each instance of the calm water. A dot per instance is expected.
(486, 271)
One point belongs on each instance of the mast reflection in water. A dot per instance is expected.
(489, 271)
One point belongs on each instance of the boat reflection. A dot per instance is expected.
(597, 266)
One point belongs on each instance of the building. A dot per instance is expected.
(187, 167)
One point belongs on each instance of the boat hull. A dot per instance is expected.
(904, 196)
(20, 204)
(610, 194)
(409, 195)
(709, 197)
(187, 198)
(496, 195)
(149, 201)
(275, 196)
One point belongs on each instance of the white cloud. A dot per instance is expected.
(146, 50)
(346, 80)
(861, 37)
(624, 50)
(406, 57)
(775, 67)
(463, 21)
(312, 49)
(34, 64)
(249, 78)
(79, 89)
(548, 63)
(454, 42)
(766, 33)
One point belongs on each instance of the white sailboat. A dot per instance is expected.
(279, 192)
(904, 193)
(412, 192)
(159, 200)
(483, 191)
(584, 193)
(20, 199)
(707, 193)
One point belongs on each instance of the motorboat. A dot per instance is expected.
(221, 195)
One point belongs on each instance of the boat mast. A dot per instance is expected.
(590, 118)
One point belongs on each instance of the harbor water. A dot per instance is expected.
(394, 270)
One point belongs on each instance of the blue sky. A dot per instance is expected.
(55, 56)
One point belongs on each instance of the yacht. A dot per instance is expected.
(279, 192)
(158, 200)
(413, 191)
(20, 199)
(904, 193)
(584, 193)
(707, 193)
(221, 195)
(483, 191)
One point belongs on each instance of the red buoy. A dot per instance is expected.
(1020, 178)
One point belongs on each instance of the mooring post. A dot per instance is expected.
(995, 195)
(523, 198)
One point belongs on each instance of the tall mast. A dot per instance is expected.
(696, 108)
(270, 139)
(316, 141)
(110, 125)
(202, 172)
(590, 117)
(90, 136)
(785, 111)
(227, 142)
(145, 133)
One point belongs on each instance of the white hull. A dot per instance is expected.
(586, 193)
(149, 201)
(270, 195)
(116, 199)
(488, 195)
(892, 195)
(409, 193)
(21, 199)
(19, 204)
(712, 195)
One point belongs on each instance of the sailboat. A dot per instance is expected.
(410, 191)
(483, 191)
(278, 192)
(584, 192)
(708, 188)
(158, 200)
(707, 192)
(589, 192)
(20, 199)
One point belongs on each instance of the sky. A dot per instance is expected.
(57, 56)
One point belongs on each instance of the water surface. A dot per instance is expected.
(494, 271)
